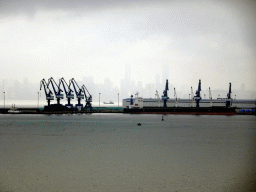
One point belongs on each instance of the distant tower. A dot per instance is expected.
(157, 84)
(126, 82)
(127, 71)
(165, 72)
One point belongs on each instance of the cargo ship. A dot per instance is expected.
(194, 106)
(183, 110)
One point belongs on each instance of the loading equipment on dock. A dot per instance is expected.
(165, 96)
(88, 98)
(68, 92)
(210, 97)
(56, 91)
(79, 93)
(48, 92)
(175, 97)
(197, 96)
(228, 100)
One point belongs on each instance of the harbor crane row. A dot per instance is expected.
(229, 99)
(79, 93)
(48, 92)
(88, 98)
(165, 94)
(68, 92)
(56, 91)
(197, 96)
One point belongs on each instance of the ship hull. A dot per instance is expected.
(183, 110)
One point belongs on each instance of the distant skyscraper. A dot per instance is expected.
(165, 72)
(127, 71)
(158, 85)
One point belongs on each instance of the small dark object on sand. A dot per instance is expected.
(162, 118)
(139, 124)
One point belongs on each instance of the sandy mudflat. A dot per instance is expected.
(75, 157)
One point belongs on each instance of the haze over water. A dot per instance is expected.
(110, 152)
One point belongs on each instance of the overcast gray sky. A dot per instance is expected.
(209, 40)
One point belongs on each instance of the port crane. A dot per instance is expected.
(48, 92)
(197, 96)
(79, 93)
(68, 92)
(228, 100)
(56, 91)
(131, 100)
(210, 97)
(175, 96)
(192, 97)
(88, 98)
(158, 98)
(165, 96)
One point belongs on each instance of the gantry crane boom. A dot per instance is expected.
(48, 92)
(68, 91)
(88, 98)
(56, 91)
(78, 91)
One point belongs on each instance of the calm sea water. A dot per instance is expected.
(110, 152)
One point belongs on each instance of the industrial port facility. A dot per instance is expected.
(81, 93)
(135, 104)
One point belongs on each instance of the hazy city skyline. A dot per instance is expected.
(130, 46)
(22, 90)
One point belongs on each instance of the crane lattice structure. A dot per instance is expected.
(229, 99)
(88, 98)
(68, 92)
(197, 96)
(79, 93)
(56, 89)
(165, 94)
(48, 92)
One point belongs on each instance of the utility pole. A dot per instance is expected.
(189, 99)
(38, 100)
(118, 100)
(99, 99)
(4, 99)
